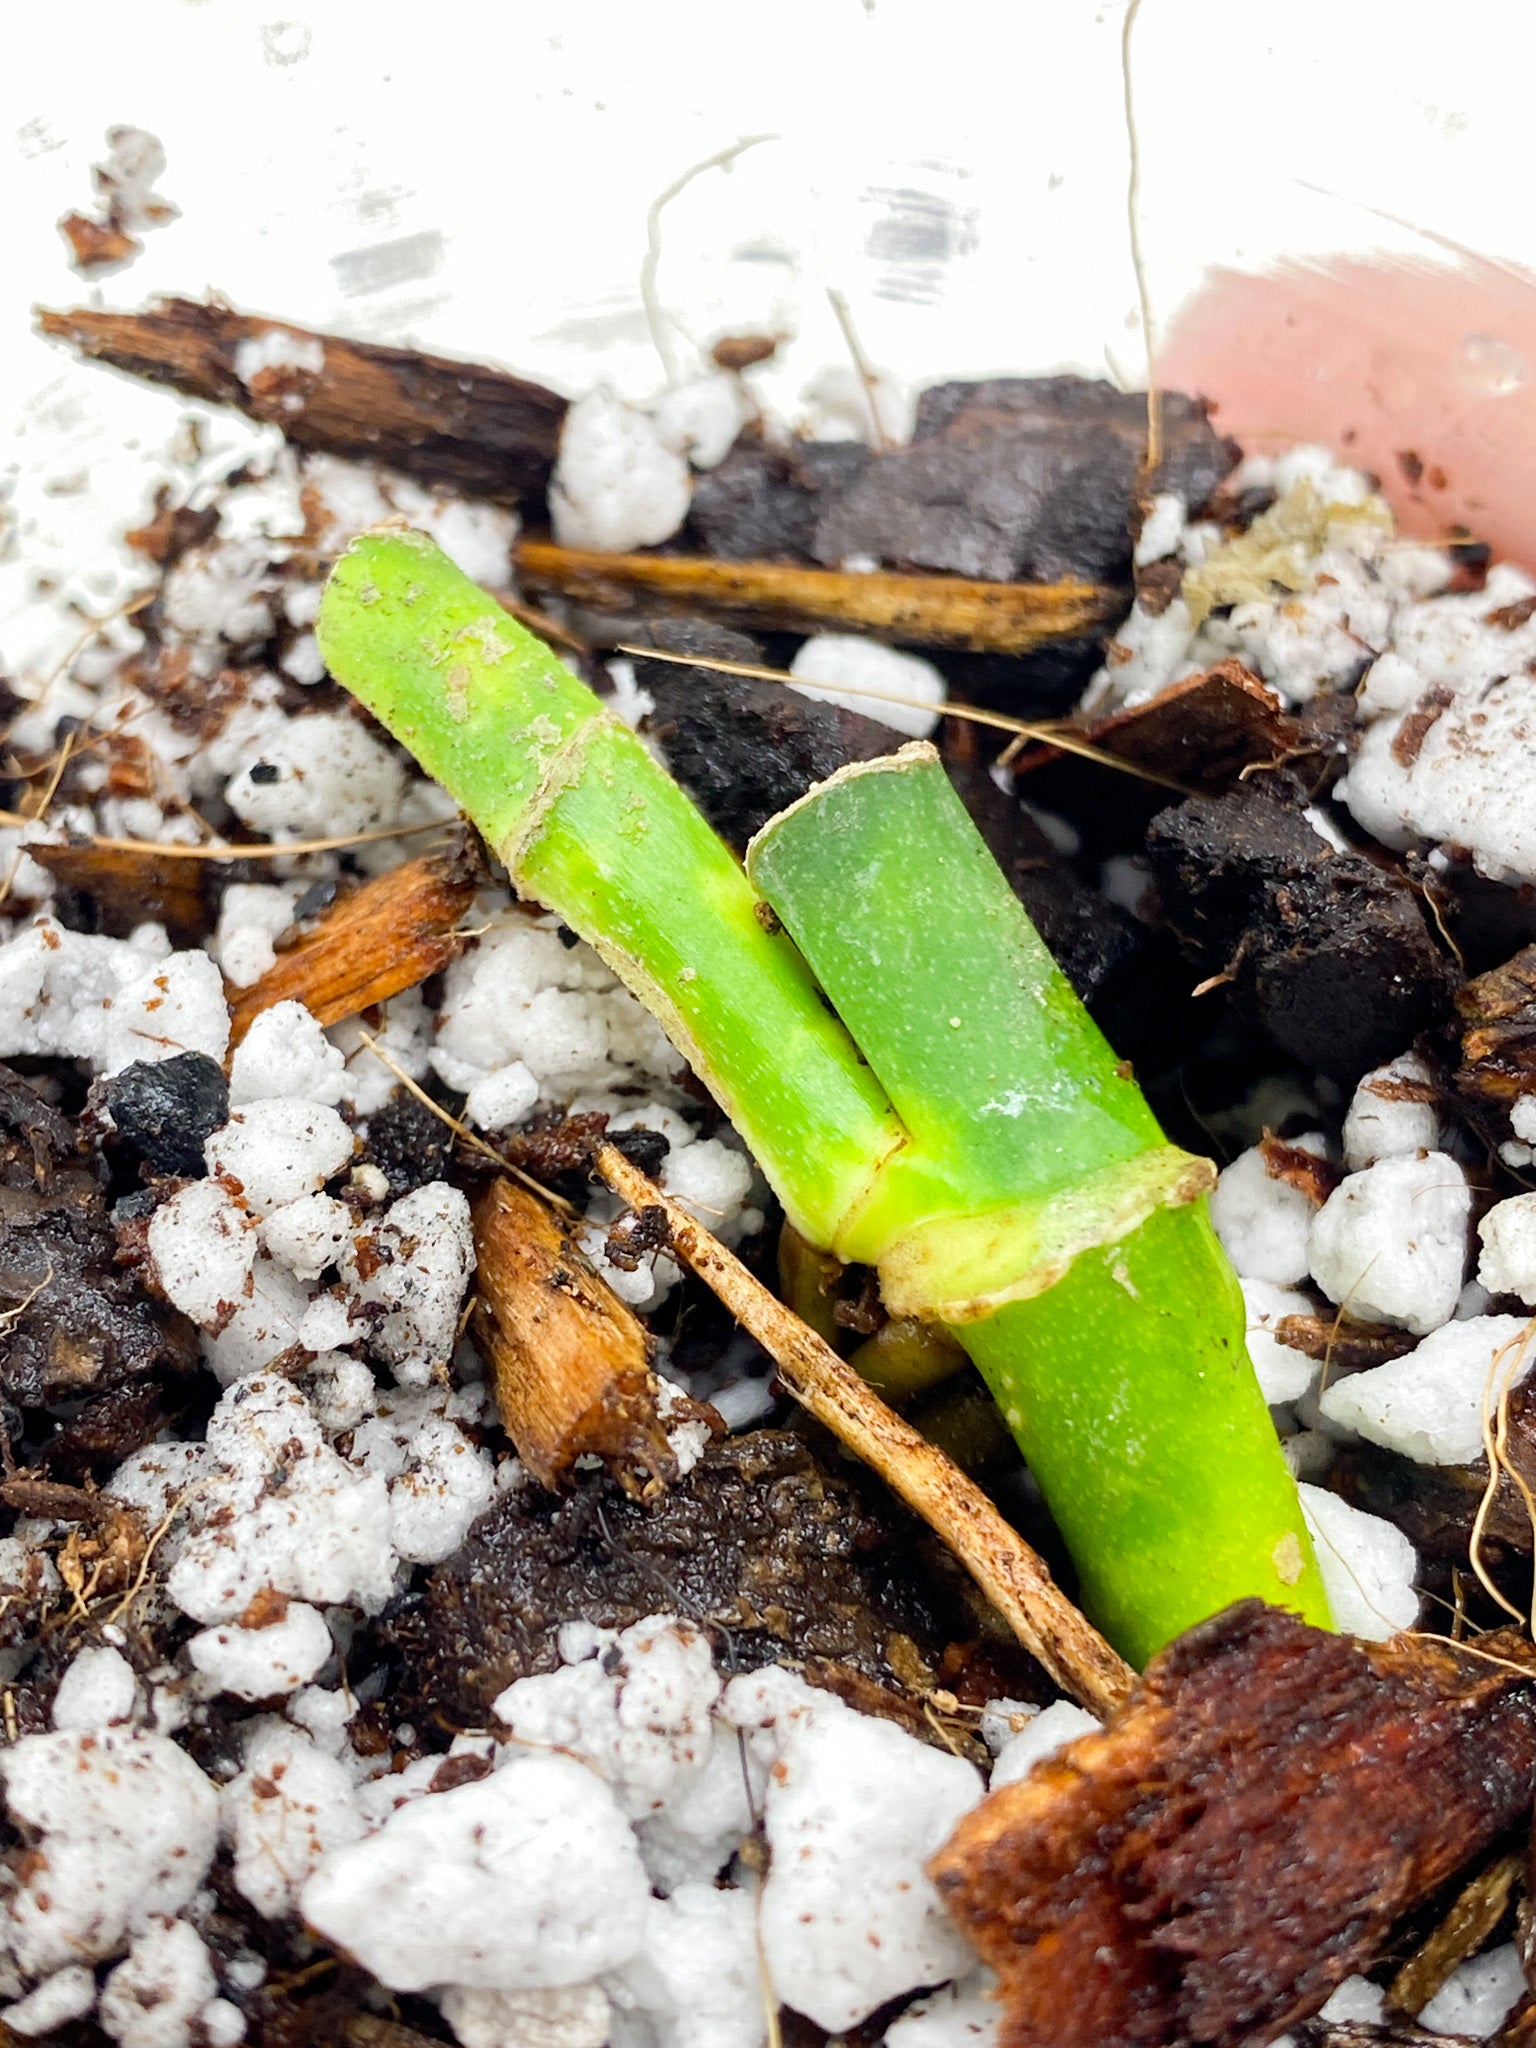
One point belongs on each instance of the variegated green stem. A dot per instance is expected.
(588, 824)
(978, 1141)
(1074, 1260)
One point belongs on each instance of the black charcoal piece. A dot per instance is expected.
(1020, 479)
(646, 1149)
(317, 897)
(744, 748)
(1327, 952)
(762, 503)
(166, 1110)
(407, 1143)
(1044, 683)
(75, 1321)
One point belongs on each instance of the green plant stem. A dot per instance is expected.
(587, 823)
(985, 1157)
(1128, 1388)
(1076, 1264)
(1029, 1141)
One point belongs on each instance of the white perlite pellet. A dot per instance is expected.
(202, 1246)
(1448, 755)
(502, 1098)
(1476, 1998)
(554, 2016)
(1392, 1114)
(272, 1152)
(640, 1714)
(1368, 1566)
(528, 1877)
(98, 1690)
(618, 483)
(110, 1002)
(438, 1480)
(1161, 529)
(289, 1806)
(354, 496)
(840, 668)
(1508, 1262)
(1263, 1222)
(260, 1662)
(853, 1810)
(1434, 1404)
(276, 1509)
(700, 419)
(1390, 1244)
(308, 1235)
(285, 1053)
(322, 775)
(1283, 1374)
(153, 1999)
(1357, 1999)
(697, 1979)
(424, 1249)
(1045, 1734)
(265, 1324)
(251, 916)
(126, 1826)
(67, 1995)
(965, 2014)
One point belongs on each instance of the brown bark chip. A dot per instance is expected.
(1203, 732)
(1498, 1038)
(570, 1364)
(920, 610)
(1243, 1834)
(97, 247)
(1299, 1169)
(775, 1554)
(468, 426)
(385, 937)
(129, 886)
(1341, 1343)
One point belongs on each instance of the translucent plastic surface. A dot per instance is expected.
(475, 177)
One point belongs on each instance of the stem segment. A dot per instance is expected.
(1075, 1261)
(992, 1159)
(1129, 1390)
(587, 823)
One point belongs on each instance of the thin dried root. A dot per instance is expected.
(386, 937)
(222, 850)
(1056, 735)
(929, 611)
(569, 1362)
(1012, 1575)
